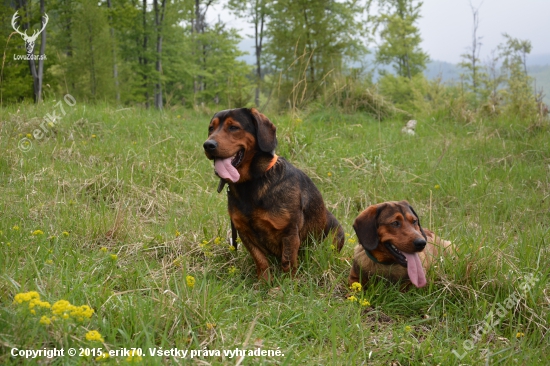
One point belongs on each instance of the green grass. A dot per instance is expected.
(123, 182)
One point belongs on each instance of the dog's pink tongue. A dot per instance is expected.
(226, 170)
(415, 270)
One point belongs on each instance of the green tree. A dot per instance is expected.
(474, 72)
(16, 81)
(91, 65)
(400, 37)
(519, 95)
(257, 12)
(224, 79)
(310, 40)
(29, 20)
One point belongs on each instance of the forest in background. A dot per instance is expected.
(164, 53)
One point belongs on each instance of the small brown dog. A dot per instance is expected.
(393, 245)
(273, 206)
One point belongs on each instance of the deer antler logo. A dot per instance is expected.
(29, 41)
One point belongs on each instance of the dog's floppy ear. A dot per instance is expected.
(366, 227)
(265, 131)
(418, 218)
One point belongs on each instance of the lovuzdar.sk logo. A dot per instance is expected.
(29, 40)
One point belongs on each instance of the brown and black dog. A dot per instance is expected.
(273, 206)
(393, 245)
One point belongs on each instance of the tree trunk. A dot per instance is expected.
(144, 54)
(158, 23)
(258, 39)
(115, 69)
(37, 71)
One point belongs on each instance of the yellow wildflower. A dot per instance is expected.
(352, 298)
(62, 307)
(33, 298)
(329, 174)
(437, 186)
(37, 302)
(65, 233)
(134, 357)
(103, 249)
(356, 287)
(177, 233)
(520, 334)
(8, 244)
(37, 232)
(365, 302)
(94, 136)
(49, 261)
(218, 240)
(114, 257)
(103, 357)
(210, 325)
(45, 320)
(81, 312)
(332, 247)
(93, 335)
(26, 296)
(352, 240)
(15, 227)
(230, 247)
(28, 135)
(232, 270)
(190, 281)
(408, 328)
(348, 234)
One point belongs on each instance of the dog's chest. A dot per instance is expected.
(261, 222)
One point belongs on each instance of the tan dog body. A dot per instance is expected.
(398, 248)
(364, 268)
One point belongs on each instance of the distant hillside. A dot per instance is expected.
(538, 68)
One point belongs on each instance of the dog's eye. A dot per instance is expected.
(233, 128)
(396, 224)
(415, 222)
(210, 129)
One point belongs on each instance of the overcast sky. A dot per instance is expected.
(446, 25)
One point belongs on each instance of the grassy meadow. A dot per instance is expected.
(117, 209)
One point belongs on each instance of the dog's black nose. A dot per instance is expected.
(210, 145)
(419, 244)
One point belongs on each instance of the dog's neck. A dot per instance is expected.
(272, 162)
(374, 259)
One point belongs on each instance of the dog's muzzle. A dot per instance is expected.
(210, 146)
(419, 244)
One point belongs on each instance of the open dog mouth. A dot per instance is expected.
(401, 259)
(412, 262)
(226, 168)
(238, 158)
